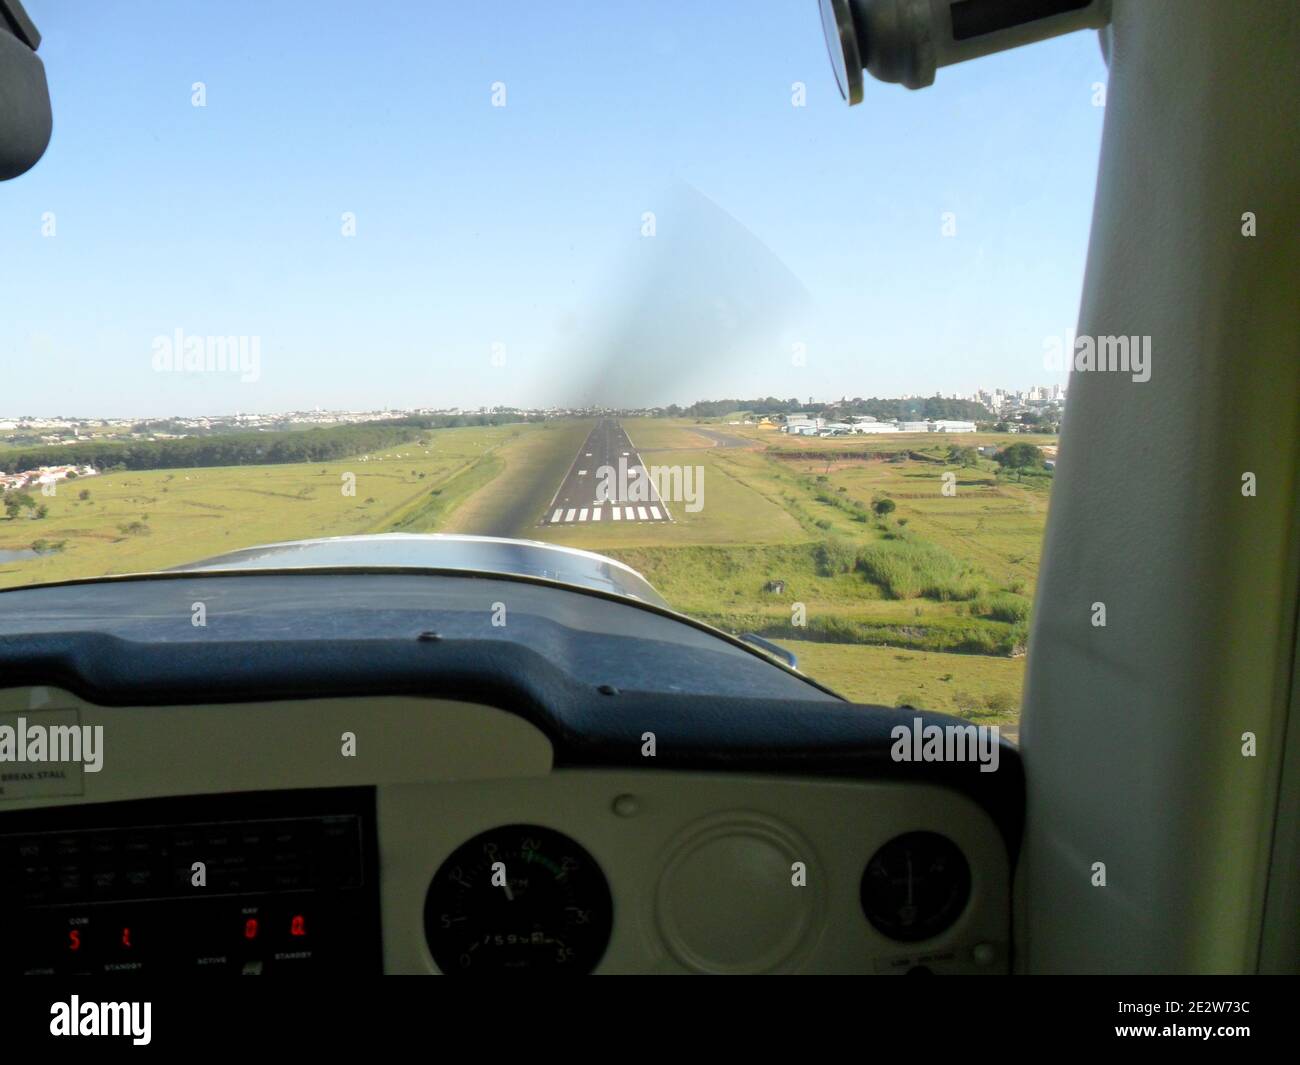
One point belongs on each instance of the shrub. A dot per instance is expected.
(1018, 638)
(910, 569)
(1003, 606)
(1001, 703)
(835, 556)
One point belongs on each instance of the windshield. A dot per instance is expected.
(625, 278)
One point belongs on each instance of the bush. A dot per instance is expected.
(1003, 606)
(835, 556)
(911, 569)
(15, 501)
(1001, 703)
(1018, 638)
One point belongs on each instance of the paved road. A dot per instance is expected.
(607, 482)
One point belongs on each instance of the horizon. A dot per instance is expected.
(495, 407)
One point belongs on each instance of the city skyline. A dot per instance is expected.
(10, 420)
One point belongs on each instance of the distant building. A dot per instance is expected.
(803, 425)
(44, 475)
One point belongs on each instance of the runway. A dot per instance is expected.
(606, 483)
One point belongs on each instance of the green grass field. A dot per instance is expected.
(927, 605)
(979, 688)
(147, 520)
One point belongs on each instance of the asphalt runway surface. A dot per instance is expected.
(607, 482)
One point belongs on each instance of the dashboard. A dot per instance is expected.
(361, 772)
(404, 834)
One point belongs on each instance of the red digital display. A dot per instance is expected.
(250, 928)
(297, 926)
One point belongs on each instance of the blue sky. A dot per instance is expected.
(518, 229)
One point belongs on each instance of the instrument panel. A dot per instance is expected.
(418, 835)
(274, 882)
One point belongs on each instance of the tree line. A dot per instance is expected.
(243, 448)
(891, 410)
